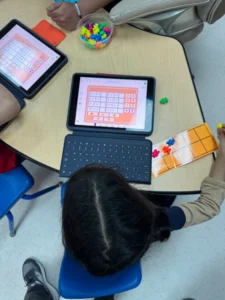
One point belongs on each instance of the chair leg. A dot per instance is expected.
(40, 193)
(10, 217)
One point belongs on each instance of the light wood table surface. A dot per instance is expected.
(40, 129)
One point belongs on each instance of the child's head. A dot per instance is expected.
(107, 224)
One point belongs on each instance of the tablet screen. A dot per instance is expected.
(23, 58)
(110, 102)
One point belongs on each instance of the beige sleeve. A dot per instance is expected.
(208, 204)
(127, 10)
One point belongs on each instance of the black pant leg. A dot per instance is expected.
(37, 295)
(110, 5)
(105, 298)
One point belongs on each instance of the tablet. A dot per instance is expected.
(26, 60)
(112, 103)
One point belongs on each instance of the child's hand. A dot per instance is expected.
(64, 14)
(221, 137)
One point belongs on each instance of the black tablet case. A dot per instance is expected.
(47, 79)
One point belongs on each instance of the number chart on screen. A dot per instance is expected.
(23, 58)
(112, 103)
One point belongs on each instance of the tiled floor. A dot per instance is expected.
(191, 263)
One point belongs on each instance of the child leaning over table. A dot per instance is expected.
(9, 109)
(108, 225)
(65, 14)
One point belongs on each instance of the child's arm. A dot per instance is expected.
(65, 14)
(9, 106)
(212, 190)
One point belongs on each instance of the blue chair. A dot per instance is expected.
(75, 282)
(13, 186)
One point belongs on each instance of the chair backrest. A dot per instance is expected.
(76, 282)
(13, 185)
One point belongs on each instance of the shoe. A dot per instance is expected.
(35, 278)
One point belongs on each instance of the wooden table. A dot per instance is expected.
(40, 129)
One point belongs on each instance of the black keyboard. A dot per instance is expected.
(130, 157)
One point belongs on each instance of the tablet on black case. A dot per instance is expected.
(112, 103)
(27, 62)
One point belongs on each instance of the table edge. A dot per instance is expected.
(151, 192)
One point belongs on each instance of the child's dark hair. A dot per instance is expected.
(107, 224)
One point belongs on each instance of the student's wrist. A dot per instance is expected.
(76, 6)
(84, 8)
